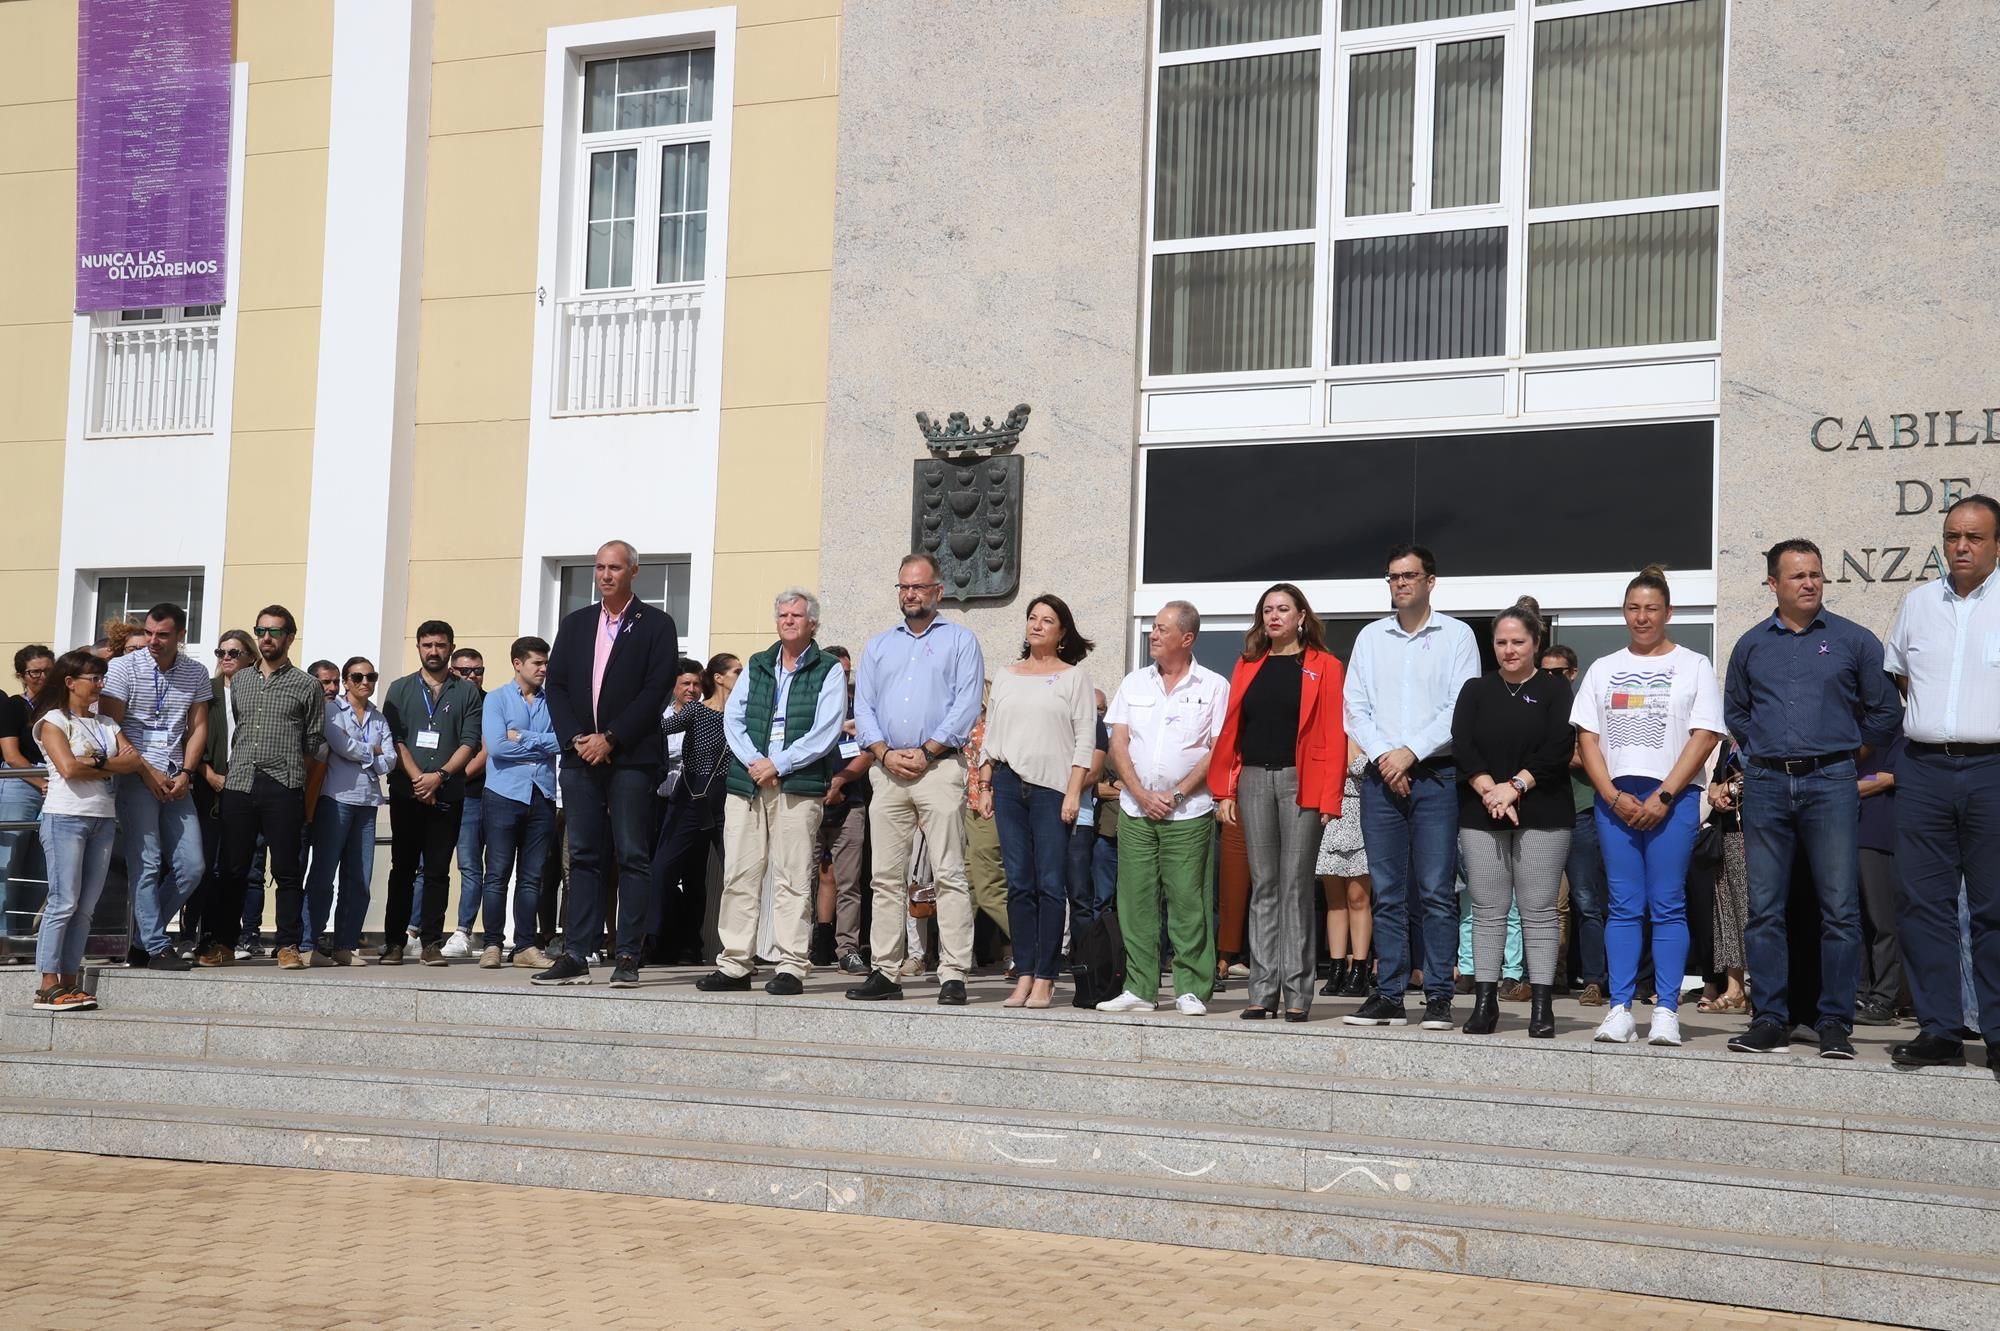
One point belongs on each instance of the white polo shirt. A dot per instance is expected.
(1948, 647)
(1170, 732)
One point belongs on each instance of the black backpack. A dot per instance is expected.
(1097, 960)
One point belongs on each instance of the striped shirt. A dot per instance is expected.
(279, 721)
(157, 704)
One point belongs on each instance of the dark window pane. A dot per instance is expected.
(1525, 503)
(1236, 146)
(1189, 25)
(1440, 295)
(1225, 310)
(1381, 13)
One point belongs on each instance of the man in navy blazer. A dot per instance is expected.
(610, 671)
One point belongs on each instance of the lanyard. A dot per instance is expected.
(159, 691)
(430, 703)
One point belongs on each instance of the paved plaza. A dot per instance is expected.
(95, 1243)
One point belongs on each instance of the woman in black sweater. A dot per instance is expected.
(1511, 736)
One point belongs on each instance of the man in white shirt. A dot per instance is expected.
(1944, 651)
(1402, 685)
(159, 698)
(1164, 721)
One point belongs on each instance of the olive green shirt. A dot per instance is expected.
(415, 714)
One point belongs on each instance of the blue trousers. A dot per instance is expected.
(343, 842)
(1034, 850)
(609, 811)
(1647, 874)
(1948, 832)
(1816, 814)
(163, 860)
(1092, 870)
(78, 849)
(1413, 857)
(516, 839)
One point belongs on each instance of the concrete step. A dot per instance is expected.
(1871, 1146)
(1700, 1260)
(1150, 1147)
(1700, 1073)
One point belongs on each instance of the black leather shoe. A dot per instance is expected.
(135, 957)
(1928, 1051)
(1874, 1014)
(1336, 979)
(875, 988)
(169, 960)
(951, 993)
(1485, 1009)
(1293, 1014)
(1541, 1012)
(1255, 1013)
(854, 964)
(1833, 1042)
(1360, 980)
(715, 982)
(784, 985)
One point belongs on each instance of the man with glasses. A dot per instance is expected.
(1402, 686)
(434, 715)
(468, 664)
(159, 698)
(278, 715)
(916, 697)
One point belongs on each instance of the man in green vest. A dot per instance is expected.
(782, 723)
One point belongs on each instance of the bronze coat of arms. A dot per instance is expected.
(965, 509)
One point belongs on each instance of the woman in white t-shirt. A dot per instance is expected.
(79, 817)
(1648, 717)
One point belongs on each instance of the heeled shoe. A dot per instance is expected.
(1485, 1008)
(1336, 981)
(1019, 998)
(1541, 1012)
(1360, 979)
(1044, 1000)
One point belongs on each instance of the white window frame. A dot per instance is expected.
(1336, 49)
(91, 593)
(554, 566)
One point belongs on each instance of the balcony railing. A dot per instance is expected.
(626, 353)
(153, 378)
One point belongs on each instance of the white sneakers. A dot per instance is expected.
(1617, 1027)
(1187, 1004)
(1666, 1027)
(458, 945)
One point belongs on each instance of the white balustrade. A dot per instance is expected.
(153, 378)
(626, 353)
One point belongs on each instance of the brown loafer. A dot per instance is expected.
(1592, 996)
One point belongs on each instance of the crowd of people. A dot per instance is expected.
(1816, 832)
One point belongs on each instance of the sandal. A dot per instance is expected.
(1721, 1004)
(63, 998)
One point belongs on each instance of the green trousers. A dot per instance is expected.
(1172, 862)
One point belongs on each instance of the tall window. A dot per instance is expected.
(1439, 182)
(645, 169)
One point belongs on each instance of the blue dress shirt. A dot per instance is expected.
(1402, 688)
(910, 688)
(355, 765)
(516, 768)
(1799, 695)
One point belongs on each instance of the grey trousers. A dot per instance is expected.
(1281, 841)
(1514, 866)
(1882, 981)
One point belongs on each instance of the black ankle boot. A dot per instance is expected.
(1485, 1009)
(1541, 1012)
(1360, 978)
(1336, 981)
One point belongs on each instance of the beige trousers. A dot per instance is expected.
(934, 802)
(780, 831)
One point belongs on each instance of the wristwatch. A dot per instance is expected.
(1666, 796)
(1180, 798)
(1518, 784)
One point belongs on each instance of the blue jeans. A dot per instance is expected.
(78, 850)
(609, 813)
(1034, 851)
(510, 829)
(471, 868)
(1413, 855)
(1647, 873)
(1948, 841)
(1092, 872)
(20, 855)
(1818, 814)
(1586, 897)
(343, 840)
(163, 858)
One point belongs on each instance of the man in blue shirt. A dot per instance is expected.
(1805, 691)
(1402, 685)
(518, 812)
(916, 699)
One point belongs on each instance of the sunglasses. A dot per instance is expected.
(469, 672)
(228, 654)
(263, 632)
(357, 677)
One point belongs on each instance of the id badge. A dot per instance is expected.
(850, 749)
(427, 739)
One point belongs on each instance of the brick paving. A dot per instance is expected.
(92, 1243)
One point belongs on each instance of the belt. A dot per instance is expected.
(1800, 766)
(1272, 767)
(1955, 750)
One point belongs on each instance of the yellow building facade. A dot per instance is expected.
(507, 278)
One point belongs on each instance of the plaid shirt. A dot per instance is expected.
(279, 721)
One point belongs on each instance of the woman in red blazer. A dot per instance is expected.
(1280, 765)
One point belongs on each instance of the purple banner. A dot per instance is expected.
(152, 153)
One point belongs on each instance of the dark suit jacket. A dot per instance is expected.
(217, 753)
(637, 680)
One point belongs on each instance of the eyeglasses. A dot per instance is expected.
(1395, 578)
(469, 672)
(358, 678)
(34, 672)
(263, 632)
(917, 586)
(228, 654)
(91, 678)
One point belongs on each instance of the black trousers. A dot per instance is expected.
(609, 811)
(680, 882)
(426, 836)
(277, 813)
